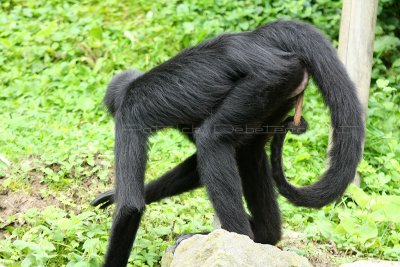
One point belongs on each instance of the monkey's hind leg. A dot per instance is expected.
(216, 144)
(259, 193)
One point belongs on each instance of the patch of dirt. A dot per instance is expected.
(33, 193)
(27, 197)
(12, 203)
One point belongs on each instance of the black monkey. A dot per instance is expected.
(228, 88)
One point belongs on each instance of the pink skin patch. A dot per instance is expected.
(302, 86)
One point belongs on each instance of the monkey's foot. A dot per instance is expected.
(180, 238)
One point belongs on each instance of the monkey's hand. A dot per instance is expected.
(180, 238)
(103, 200)
(293, 128)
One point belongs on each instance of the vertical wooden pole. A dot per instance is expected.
(356, 43)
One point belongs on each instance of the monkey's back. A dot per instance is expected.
(189, 87)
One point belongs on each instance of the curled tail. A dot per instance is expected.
(339, 94)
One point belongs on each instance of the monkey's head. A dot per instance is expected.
(117, 88)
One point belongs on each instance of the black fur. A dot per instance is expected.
(227, 90)
(340, 96)
(117, 89)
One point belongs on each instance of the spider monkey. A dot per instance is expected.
(230, 90)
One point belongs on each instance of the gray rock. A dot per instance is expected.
(372, 263)
(221, 248)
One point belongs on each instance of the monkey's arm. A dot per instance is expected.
(182, 178)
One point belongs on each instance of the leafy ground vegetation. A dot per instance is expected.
(56, 57)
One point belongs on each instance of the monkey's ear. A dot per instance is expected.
(117, 88)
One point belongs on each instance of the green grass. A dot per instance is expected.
(56, 139)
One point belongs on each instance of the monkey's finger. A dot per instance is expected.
(106, 204)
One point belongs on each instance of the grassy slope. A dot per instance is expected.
(56, 58)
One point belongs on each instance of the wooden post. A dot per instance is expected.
(356, 43)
